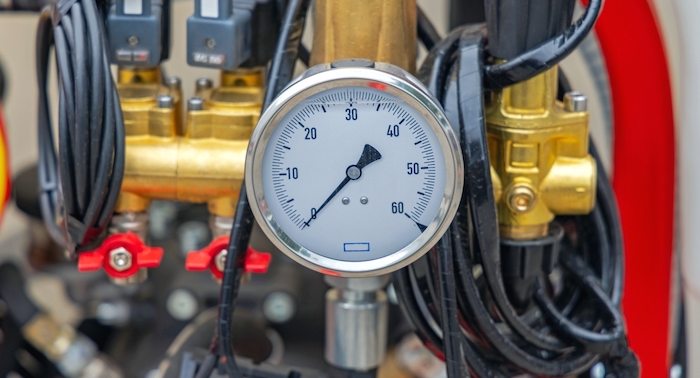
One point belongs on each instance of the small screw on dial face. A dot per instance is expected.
(363, 200)
(346, 200)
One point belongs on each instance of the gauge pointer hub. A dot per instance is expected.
(353, 172)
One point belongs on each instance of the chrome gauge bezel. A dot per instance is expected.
(391, 81)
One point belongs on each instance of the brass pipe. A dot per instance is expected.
(379, 30)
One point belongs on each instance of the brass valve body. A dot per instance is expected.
(539, 155)
(205, 164)
(379, 30)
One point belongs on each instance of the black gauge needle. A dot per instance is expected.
(421, 227)
(353, 172)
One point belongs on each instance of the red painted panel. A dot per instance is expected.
(644, 171)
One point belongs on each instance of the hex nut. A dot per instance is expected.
(220, 260)
(120, 259)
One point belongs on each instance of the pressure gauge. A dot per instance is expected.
(354, 169)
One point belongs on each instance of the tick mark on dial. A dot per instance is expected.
(421, 227)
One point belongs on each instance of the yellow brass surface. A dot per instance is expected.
(243, 77)
(139, 75)
(539, 156)
(204, 165)
(379, 30)
(48, 336)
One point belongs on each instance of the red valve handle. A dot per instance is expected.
(255, 262)
(138, 254)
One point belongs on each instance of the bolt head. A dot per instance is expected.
(220, 260)
(120, 259)
(575, 102)
(521, 199)
(132, 40)
(210, 43)
(165, 101)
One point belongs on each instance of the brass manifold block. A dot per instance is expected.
(200, 162)
(538, 148)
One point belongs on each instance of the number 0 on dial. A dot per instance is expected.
(354, 171)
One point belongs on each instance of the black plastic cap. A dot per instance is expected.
(516, 26)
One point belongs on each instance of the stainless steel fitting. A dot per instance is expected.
(356, 322)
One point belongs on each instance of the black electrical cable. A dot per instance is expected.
(304, 55)
(280, 74)
(79, 189)
(576, 331)
(427, 33)
(546, 55)
(12, 293)
(452, 347)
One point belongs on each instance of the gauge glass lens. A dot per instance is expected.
(353, 174)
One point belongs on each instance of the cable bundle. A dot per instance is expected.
(573, 321)
(79, 188)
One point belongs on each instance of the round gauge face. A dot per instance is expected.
(351, 176)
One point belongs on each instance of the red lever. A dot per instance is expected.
(213, 257)
(121, 256)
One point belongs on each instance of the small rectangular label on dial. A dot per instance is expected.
(356, 247)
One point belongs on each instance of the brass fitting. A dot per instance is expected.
(539, 155)
(50, 337)
(379, 30)
(206, 162)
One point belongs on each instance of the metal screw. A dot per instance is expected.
(133, 40)
(598, 370)
(521, 199)
(346, 200)
(174, 83)
(120, 259)
(364, 200)
(210, 43)
(575, 102)
(195, 103)
(203, 83)
(220, 260)
(676, 371)
(182, 304)
(279, 307)
(166, 101)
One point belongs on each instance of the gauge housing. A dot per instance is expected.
(355, 73)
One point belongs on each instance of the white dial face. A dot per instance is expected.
(353, 174)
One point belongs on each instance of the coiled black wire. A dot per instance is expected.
(79, 189)
(577, 328)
